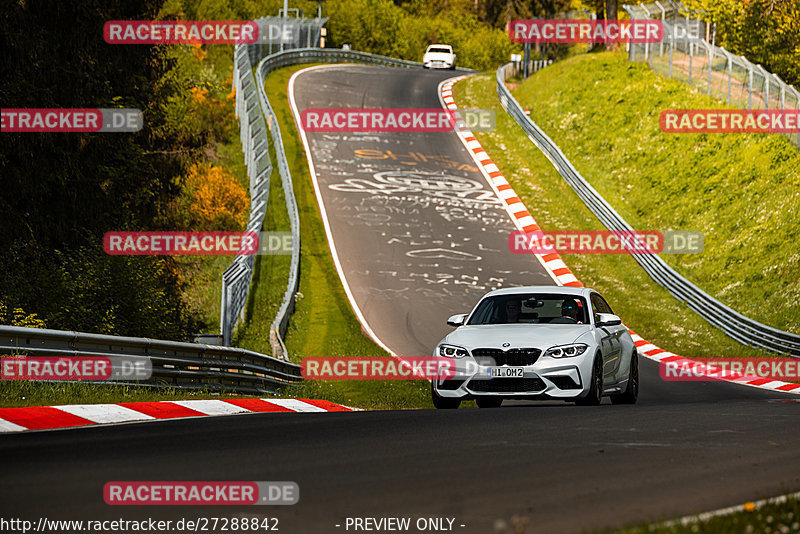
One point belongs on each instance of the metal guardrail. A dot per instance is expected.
(734, 324)
(707, 67)
(175, 364)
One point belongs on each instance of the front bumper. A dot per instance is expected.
(563, 378)
(437, 65)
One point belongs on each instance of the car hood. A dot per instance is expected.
(540, 336)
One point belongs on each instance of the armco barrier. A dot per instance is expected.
(253, 133)
(736, 325)
(175, 364)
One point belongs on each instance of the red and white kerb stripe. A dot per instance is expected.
(50, 417)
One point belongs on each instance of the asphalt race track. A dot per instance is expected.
(684, 448)
(418, 231)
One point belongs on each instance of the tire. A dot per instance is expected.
(444, 403)
(489, 402)
(631, 393)
(595, 395)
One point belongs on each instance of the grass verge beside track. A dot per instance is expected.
(17, 394)
(323, 323)
(643, 305)
(775, 518)
(741, 190)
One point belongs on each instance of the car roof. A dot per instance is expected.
(441, 45)
(559, 290)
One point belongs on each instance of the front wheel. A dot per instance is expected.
(489, 402)
(444, 403)
(595, 395)
(631, 392)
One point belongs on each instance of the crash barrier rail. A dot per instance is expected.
(687, 55)
(734, 324)
(253, 132)
(265, 66)
(174, 364)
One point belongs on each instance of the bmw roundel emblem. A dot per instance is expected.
(506, 344)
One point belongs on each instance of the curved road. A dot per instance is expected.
(418, 232)
(686, 447)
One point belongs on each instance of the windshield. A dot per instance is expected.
(530, 308)
(439, 50)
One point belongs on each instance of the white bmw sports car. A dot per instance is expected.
(538, 342)
(439, 56)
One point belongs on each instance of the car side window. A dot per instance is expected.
(605, 307)
(596, 306)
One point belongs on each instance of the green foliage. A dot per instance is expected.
(18, 317)
(381, 27)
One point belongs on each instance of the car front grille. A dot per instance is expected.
(506, 357)
(507, 385)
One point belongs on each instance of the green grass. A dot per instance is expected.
(769, 519)
(741, 190)
(323, 323)
(644, 306)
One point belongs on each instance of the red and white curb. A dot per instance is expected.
(52, 417)
(555, 266)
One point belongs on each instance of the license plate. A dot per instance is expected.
(505, 372)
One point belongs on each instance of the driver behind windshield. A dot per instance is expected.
(570, 309)
(512, 311)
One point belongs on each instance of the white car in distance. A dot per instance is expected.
(439, 56)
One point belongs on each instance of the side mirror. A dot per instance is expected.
(457, 320)
(607, 319)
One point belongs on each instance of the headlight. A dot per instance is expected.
(566, 351)
(451, 351)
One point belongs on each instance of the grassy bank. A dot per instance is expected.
(644, 306)
(16, 394)
(768, 519)
(741, 190)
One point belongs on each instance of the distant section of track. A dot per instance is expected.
(417, 232)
